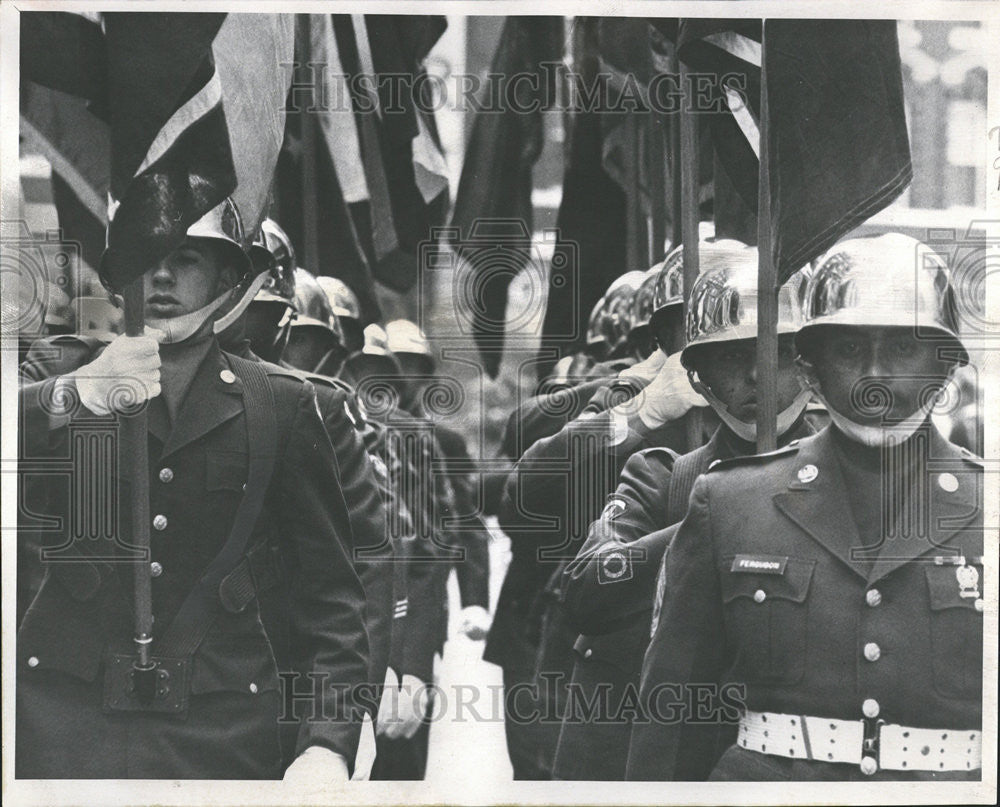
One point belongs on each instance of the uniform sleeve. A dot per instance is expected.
(687, 649)
(372, 550)
(327, 601)
(612, 578)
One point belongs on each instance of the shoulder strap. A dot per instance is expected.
(687, 468)
(198, 611)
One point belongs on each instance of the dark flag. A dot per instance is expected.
(496, 179)
(839, 150)
(591, 221)
(838, 145)
(231, 104)
(162, 101)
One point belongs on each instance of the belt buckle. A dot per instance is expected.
(870, 745)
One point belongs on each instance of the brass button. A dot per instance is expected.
(588, 652)
(156, 568)
(227, 376)
(253, 688)
(872, 651)
(159, 522)
(948, 482)
(870, 708)
(759, 595)
(873, 597)
(166, 475)
(868, 766)
(979, 605)
(33, 661)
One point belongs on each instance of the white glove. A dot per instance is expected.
(124, 376)
(365, 757)
(317, 769)
(666, 398)
(644, 371)
(406, 709)
(476, 622)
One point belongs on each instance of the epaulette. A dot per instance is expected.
(754, 459)
(283, 372)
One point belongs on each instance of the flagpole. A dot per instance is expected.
(767, 282)
(308, 120)
(135, 435)
(690, 184)
(674, 144)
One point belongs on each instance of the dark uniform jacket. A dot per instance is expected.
(313, 621)
(608, 592)
(796, 638)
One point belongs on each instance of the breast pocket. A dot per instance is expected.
(225, 471)
(956, 635)
(766, 617)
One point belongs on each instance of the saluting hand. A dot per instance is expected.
(123, 377)
(643, 372)
(667, 397)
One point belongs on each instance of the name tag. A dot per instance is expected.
(759, 564)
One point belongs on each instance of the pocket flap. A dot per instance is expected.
(944, 588)
(792, 584)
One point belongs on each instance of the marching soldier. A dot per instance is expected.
(240, 465)
(831, 591)
(549, 425)
(609, 587)
(266, 325)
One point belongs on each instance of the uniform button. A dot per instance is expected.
(978, 605)
(156, 568)
(870, 708)
(33, 661)
(253, 688)
(227, 376)
(759, 595)
(873, 652)
(873, 597)
(948, 482)
(166, 475)
(159, 522)
(868, 766)
(588, 652)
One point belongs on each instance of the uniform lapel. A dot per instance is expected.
(210, 401)
(820, 506)
(951, 513)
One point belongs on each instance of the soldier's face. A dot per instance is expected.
(730, 371)
(876, 376)
(187, 279)
(308, 346)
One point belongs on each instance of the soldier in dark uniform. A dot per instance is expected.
(215, 707)
(609, 586)
(832, 589)
(267, 326)
(538, 432)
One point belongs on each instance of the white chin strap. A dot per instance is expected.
(748, 431)
(177, 329)
(878, 436)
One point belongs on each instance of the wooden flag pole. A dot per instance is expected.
(310, 202)
(135, 435)
(690, 185)
(767, 283)
(674, 144)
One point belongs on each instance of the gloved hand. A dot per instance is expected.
(364, 759)
(317, 768)
(406, 709)
(666, 398)
(643, 372)
(124, 376)
(476, 622)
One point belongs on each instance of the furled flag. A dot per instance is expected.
(148, 111)
(496, 179)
